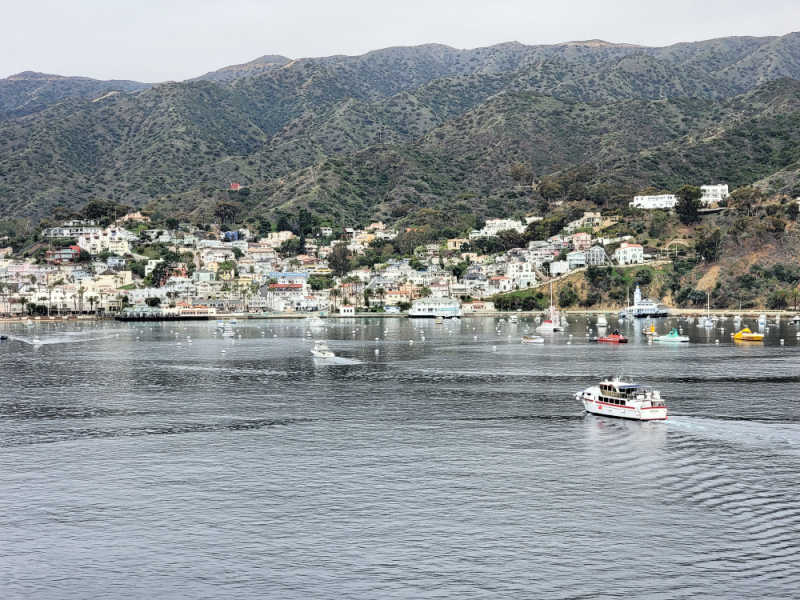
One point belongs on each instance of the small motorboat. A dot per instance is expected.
(745, 335)
(321, 350)
(613, 397)
(532, 339)
(672, 337)
(650, 331)
(513, 319)
(439, 320)
(614, 338)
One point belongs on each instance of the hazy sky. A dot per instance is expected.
(156, 40)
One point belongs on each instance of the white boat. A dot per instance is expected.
(672, 337)
(513, 319)
(321, 350)
(706, 321)
(613, 397)
(552, 321)
(602, 321)
(439, 320)
(532, 339)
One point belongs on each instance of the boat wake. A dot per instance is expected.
(52, 340)
(776, 436)
(337, 361)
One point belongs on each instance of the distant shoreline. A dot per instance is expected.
(675, 312)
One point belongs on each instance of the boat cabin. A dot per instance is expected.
(619, 393)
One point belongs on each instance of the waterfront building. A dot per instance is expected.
(435, 307)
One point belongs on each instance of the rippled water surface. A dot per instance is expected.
(163, 461)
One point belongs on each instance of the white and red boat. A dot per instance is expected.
(552, 321)
(613, 397)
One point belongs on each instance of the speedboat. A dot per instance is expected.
(614, 338)
(613, 397)
(602, 321)
(532, 339)
(672, 336)
(650, 331)
(321, 350)
(745, 335)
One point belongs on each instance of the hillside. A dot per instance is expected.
(27, 93)
(396, 130)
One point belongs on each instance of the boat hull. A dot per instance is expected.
(596, 407)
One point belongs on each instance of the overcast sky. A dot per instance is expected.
(157, 40)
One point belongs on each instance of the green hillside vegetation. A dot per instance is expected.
(398, 130)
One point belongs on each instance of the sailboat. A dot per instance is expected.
(707, 321)
(552, 322)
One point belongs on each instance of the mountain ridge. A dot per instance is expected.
(560, 109)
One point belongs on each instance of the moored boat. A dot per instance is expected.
(532, 339)
(745, 335)
(650, 331)
(321, 350)
(552, 322)
(613, 397)
(673, 337)
(614, 338)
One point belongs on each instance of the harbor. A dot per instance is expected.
(465, 424)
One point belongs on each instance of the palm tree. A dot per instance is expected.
(335, 293)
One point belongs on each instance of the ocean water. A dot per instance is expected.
(163, 461)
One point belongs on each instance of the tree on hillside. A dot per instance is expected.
(688, 207)
(521, 172)
(339, 260)
(227, 212)
(708, 244)
(744, 199)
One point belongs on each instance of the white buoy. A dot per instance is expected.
(410, 342)
(716, 342)
(474, 337)
(377, 351)
(494, 348)
(781, 341)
